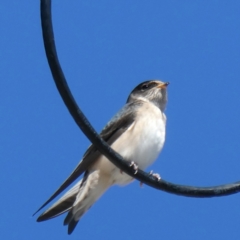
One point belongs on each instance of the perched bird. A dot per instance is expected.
(136, 132)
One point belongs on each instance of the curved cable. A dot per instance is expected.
(92, 135)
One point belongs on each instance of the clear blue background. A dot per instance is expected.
(106, 48)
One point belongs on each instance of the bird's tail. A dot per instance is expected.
(78, 199)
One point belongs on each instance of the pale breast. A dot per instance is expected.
(149, 132)
(143, 140)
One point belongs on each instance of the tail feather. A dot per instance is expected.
(64, 204)
(78, 199)
(94, 187)
(85, 198)
(71, 226)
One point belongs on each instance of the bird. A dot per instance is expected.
(137, 132)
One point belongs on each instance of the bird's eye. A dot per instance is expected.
(144, 87)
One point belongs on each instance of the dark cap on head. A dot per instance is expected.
(154, 91)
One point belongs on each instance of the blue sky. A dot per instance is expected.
(106, 48)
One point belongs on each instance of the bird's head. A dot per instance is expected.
(153, 91)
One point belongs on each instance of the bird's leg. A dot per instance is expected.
(134, 166)
(155, 175)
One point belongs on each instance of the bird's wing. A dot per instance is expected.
(114, 128)
(63, 204)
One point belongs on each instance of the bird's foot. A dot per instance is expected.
(134, 166)
(155, 175)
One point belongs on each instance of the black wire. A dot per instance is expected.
(103, 147)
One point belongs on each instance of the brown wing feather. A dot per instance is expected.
(115, 127)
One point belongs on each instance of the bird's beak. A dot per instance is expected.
(163, 85)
